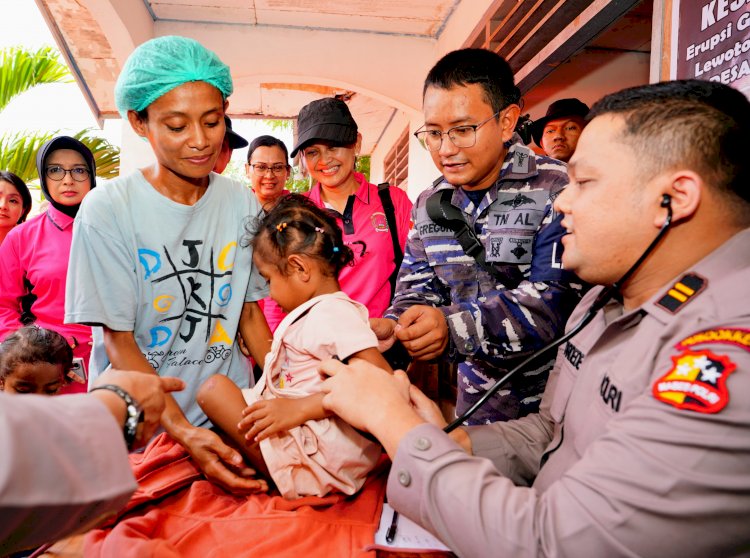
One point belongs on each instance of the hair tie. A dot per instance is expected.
(281, 226)
(319, 229)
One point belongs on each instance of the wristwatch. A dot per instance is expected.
(133, 413)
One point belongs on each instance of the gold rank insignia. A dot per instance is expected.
(697, 381)
(682, 292)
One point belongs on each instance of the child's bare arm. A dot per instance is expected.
(255, 332)
(271, 416)
(222, 401)
(266, 418)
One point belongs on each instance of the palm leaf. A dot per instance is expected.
(106, 155)
(22, 69)
(18, 152)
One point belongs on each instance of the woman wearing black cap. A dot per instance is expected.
(329, 143)
(34, 255)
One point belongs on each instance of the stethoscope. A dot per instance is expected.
(597, 305)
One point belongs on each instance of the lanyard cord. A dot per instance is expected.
(597, 305)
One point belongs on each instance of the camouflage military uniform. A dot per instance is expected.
(495, 323)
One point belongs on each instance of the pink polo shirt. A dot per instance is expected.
(38, 250)
(366, 233)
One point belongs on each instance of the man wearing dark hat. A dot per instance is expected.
(232, 140)
(557, 133)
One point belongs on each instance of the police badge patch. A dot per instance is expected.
(696, 382)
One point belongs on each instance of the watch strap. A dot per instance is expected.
(133, 413)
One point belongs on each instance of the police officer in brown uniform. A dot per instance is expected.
(642, 443)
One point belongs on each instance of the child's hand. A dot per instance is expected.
(265, 418)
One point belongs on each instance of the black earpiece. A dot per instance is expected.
(666, 200)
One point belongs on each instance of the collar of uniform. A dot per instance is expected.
(362, 193)
(58, 218)
(520, 161)
(731, 256)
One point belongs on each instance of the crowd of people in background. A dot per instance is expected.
(245, 299)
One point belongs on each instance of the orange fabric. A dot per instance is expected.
(177, 514)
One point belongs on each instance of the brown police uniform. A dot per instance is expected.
(641, 447)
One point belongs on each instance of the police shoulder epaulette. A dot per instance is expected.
(682, 292)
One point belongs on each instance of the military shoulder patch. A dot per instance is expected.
(738, 337)
(696, 381)
(682, 292)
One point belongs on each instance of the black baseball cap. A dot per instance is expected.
(235, 140)
(325, 119)
(559, 109)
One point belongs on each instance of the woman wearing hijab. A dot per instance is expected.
(168, 245)
(34, 255)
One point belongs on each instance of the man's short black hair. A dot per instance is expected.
(701, 125)
(476, 65)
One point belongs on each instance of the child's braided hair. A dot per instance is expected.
(297, 226)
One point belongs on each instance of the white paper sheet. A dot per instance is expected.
(410, 537)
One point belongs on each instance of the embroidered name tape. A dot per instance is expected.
(682, 292)
(728, 336)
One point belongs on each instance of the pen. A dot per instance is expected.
(391, 533)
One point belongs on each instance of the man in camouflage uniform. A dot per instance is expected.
(485, 317)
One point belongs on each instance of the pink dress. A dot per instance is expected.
(325, 455)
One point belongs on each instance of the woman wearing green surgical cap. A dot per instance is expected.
(163, 249)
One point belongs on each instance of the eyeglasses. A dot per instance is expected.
(460, 136)
(79, 174)
(261, 169)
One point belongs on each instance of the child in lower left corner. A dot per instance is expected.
(280, 425)
(35, 360)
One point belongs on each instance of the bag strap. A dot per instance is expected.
(390, 216)
(444, 213)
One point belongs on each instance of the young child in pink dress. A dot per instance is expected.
(280, 424)
(35, 360)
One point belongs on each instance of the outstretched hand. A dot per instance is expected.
(148, 390)
(221, 464)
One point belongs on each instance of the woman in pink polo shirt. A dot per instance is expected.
(34, 255)
(15, 202)
(329, 142)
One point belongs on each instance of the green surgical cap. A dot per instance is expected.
(159, 65)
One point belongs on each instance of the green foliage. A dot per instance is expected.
(363, 165)
(21, 70)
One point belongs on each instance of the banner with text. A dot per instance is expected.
(713, 41)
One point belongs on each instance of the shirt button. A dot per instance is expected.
(404, 478)
(422, 444)
(469, 346)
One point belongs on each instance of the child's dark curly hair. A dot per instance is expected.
(31, 344)
(297, 226)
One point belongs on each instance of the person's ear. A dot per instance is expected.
(298, 264)
(358, 144)
(137, 123)
(508, 120)
(686, 190)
